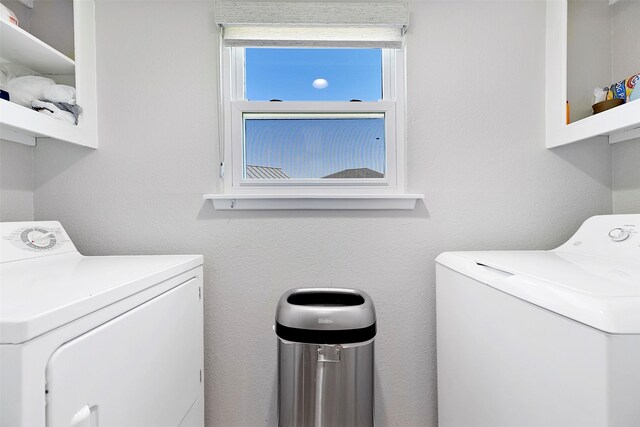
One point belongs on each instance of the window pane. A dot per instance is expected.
(313, 74)
(299, 146)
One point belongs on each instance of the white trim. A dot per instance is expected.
(310, 107)
(314, 201)
(395, 89)
(84, 39)
(558, 132)
(8, 134)
(392, 106)
(271, 114)
(624, 136)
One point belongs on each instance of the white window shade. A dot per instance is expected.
(313, 36)
(321, 24)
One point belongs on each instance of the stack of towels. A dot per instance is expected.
(40, 93)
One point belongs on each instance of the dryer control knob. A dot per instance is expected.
(619, 234)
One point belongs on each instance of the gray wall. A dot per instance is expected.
(626, 61)
(626, 177)
(588, 53)
(20, 10)
(476, 150)
(51, 21)
(16, 164)
(625, 43)
(16, 182)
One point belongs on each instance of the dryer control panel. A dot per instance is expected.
(26, 240)
(611, 236)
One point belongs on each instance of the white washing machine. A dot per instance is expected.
(97, 341)
(543, 338)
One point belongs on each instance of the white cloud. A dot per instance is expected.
(320, 83)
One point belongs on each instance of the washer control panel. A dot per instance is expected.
(24, 240)
(611, 236)
(620, 234)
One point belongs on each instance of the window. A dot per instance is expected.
(311, 110)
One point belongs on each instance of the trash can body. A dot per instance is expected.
(325, 358)
(318, 393)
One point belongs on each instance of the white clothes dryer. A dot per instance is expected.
(97, 340)
(543, 338)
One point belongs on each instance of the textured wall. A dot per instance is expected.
(476, 149)
(625, 43)
(51, 21)
(16, 182)
(626, 177)
(20, 10)
(16, 164)
(626, 61)
(588, 53)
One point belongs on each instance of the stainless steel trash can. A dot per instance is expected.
(325, 358)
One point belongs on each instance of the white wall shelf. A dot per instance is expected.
(314, 201)
(20, 47)
(615, 125)
(29, 124)
(23, 125)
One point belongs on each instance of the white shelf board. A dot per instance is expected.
(20, 47)
(624, 135)
(314, 201)
(616, 121)
(23, 125)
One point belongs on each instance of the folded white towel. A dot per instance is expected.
(23, 90)
(50, 109)
(60, 93)
(10, 71)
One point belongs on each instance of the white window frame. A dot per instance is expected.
(234, 106)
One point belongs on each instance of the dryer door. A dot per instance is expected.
(142, 368)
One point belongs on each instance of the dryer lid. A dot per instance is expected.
(41, 294)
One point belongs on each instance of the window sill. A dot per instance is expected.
(314, 201)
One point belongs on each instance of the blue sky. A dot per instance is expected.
(313, 148)
(288, 74)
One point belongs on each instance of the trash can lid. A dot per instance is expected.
(349, 311)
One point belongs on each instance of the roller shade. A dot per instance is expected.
(320, 24)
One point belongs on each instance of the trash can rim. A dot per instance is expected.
(326, 317)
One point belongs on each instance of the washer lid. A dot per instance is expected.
(41, 294)
(600, 292)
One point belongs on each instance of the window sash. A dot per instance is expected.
(239, 108)
(233, 106)
(236, 60)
